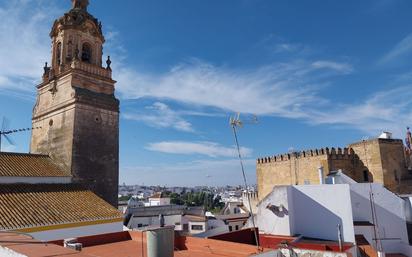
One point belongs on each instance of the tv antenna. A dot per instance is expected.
(236, 122)
(5, 132)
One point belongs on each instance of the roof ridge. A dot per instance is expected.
(25, 154)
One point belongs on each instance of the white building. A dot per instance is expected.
(158, 199)
(366, 211)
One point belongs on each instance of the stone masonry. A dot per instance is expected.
(377, 160)
(76, 107)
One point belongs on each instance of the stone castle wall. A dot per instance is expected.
(377, 160)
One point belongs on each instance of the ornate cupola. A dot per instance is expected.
(77, 36)
(76, 107)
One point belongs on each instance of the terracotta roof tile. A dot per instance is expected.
(29, 165)
(26, 206)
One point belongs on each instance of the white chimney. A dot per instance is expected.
(321, 180)
(386, 135)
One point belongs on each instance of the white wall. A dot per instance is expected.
(309, 210)
(267, 221)
(59, 234)
(154, 220)
(197, 223)
(159, 201)
(35, 180)
(5, 252)
(318, 209)
(390, 214)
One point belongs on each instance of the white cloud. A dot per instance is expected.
(281, 89)
(25, 44)
(402, 49)
(343, 68)
(210, 149)
(160, 115)
(389, 110)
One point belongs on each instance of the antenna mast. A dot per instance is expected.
(237, 123)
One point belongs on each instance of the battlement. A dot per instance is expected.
(252, 195)
(332, 153)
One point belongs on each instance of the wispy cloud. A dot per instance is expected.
(160, 115)
(280, 89)
(401, 50)
(343, 68)
(210, 149)
(24, 46)
(389, 110)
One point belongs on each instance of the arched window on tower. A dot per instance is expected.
(59, 53)
(86, 53)
(70, 50)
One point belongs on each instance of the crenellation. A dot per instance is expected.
(376, 160)
(333, 153)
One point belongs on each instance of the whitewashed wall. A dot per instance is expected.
(170, 220)
(318, 209)
(270, 223)
(5, 252)
(35, 180)
(59, 234)
(391, 219)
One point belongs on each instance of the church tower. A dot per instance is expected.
(76, 107)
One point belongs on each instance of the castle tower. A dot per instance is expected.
(76, 107)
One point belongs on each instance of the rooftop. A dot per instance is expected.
(28, 207)
(124, 244)
(29, 165)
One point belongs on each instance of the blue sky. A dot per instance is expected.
(316, 74)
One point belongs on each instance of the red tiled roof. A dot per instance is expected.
(129, 244)
(29, 165)
(196, 218)
(32, 248)
(157, 195)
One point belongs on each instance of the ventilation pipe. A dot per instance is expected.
(340, 238)
(381, 254)
(161, 241)
(321, 180)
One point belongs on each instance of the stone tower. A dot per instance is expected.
(76, 107)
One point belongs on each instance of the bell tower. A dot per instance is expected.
(76, 107)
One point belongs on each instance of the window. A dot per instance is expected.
(237, 227)
(177, 223)
(86, 53)
(230, 229)
(197, 227)
(139, 225)
(59, 53)
(366, 176)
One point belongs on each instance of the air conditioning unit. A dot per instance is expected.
(72, 243)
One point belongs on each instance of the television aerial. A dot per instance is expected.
(5, 132)
(235, 122)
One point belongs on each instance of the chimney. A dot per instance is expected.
(321, 180)
(386, 135)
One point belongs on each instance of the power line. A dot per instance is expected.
(5, 132)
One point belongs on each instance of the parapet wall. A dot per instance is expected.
(332, 153)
